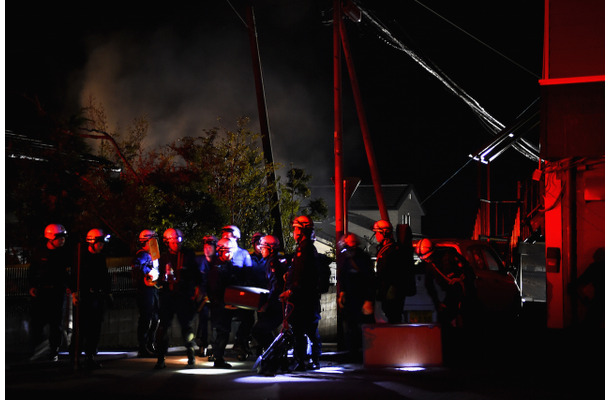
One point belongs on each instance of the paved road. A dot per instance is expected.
(541, 367)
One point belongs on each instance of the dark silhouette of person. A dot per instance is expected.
(356, 288)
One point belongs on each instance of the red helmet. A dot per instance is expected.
(424, 248)
(146, 235)
(348, 240)
(209, 239)
(382, 226)
(96, 235)
(303, 222)
(270, 242)
(256, 238)
(172, 234)
(54, 231)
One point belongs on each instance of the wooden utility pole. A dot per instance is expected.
(264, 123)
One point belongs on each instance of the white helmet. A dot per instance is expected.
(96, 235)
(54, 231)
(233, 229)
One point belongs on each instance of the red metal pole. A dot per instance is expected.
(363, 124)
(338, 139)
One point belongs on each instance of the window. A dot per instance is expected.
(406, 219)
(492, 262)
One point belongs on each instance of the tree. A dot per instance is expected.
(293, 193)
(196, 184)
(232, 165)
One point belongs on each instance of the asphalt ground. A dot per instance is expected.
(545, 364)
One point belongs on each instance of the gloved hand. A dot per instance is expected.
(368, 308)
(341, 300)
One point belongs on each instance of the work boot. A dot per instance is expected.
(54, 355)
(221, 364)
(160, 363)
(190, 353)
(145, 352)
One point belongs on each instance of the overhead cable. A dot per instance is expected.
(490, 123)
(478, 40)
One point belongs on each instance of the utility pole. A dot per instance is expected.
(366, 137)
(338, 136)
(264, 123)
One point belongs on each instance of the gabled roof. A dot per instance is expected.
(364, 197)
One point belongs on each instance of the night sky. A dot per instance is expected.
(185, 66)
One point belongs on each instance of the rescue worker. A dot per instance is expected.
(251, 277)
(271, 314)
(48, 277)
(179, 283)
(244, 277)
(404, 238)
(449, 280)
(356, 289)
(302, 295)
(446, 280)
(391, 273)
(145, 274)
(216, 277)
(91, 294)
(209, 257)
(241, 258)
(259, 275)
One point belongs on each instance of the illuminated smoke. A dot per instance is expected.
(182, 84)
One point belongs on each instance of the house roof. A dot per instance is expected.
(364, 197)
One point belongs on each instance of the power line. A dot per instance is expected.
(447, 180)
(490, 123)
(236, 13)
(478, 40)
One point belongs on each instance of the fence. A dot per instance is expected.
(119, 330)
